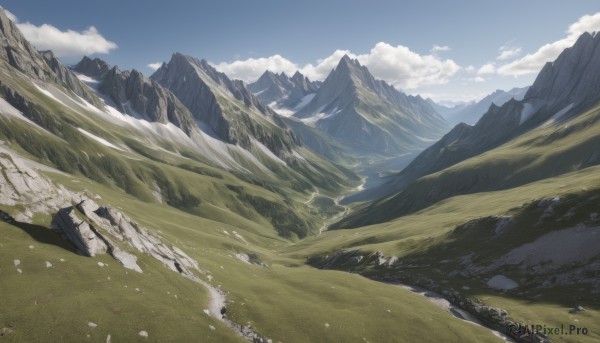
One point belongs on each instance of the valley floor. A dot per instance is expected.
(54, 292)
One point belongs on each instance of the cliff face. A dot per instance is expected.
(135, 94)
(17, 52)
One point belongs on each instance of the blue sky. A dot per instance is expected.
(480, 45)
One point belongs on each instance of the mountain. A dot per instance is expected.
(135, 230)
(135, 94)
(471, 113)
(18, 53)
(446, 109)
(226, 107)
(563, 91)
(370, 116)
(284, 94)
(562, 87)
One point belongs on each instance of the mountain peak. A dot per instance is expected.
(298, 76)
(574, 76)
(346, 59)
(95, 68)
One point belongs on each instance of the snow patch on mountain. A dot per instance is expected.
(304, 101)
(559, 114)
(49, 94)
(320, 116)
(8, 110)
(267, 152)
(99, 139)
(85, 79)
(526, 113)
(282, 111)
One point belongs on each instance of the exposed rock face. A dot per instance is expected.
(135, 94)
(79, 233)
(139, 238)
(94, 68)
(370, 115)
(281, 90)
(17, 52)
(573, 76)
(224, 106)
(66, 77)
(21, 184)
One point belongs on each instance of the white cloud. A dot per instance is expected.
(154, 66)
(486, 69)
(470, 69)
(532, 63)
(397, 65)
(507, 52)
(406, 69)
(325, 65)
(437, 48)
(64, 43)
(251, 69)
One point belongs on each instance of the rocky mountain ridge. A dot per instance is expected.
(135, 94)
(226, 107)
(370, 115)
(282, 91)
(566, 86)
(17, 52)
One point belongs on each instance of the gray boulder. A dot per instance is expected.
(80, 233)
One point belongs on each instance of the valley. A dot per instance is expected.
(188, 205)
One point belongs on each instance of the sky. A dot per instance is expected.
(447, 50)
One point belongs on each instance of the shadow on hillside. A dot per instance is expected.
(44, 235)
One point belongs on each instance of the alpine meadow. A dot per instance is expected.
(401, 194)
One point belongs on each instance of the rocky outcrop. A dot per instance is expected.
(79, 232)
(20, 184)
(225, 107)
(139, 238)
(136, 95)
(96, 230)
(364, 262)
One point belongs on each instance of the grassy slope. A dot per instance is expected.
(194, 185)
(425, 239)
(542, 153)
(287, 301)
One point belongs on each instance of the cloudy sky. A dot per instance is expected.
(448, 50)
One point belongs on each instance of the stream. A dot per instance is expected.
(456, 311)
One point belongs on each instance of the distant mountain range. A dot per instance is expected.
(563, 90)
(470, 113)
(216, 204)
(362, 115)
(284, 94)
